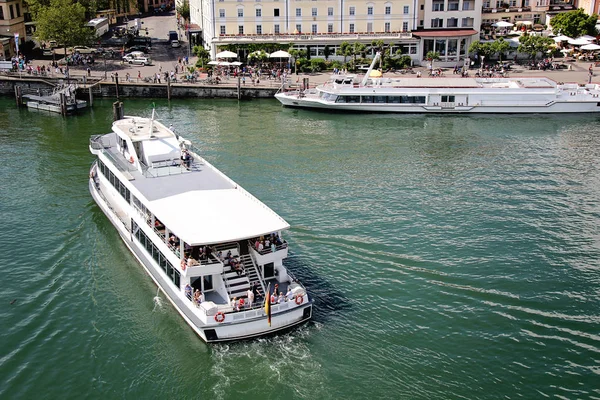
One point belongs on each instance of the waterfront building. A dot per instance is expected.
(308, 25)
(528, 13)
(12, 27)
(448, 27)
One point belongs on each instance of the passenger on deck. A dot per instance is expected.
(261, 246)
(191, 262)
(256, 244)
(255, 290)
(233, 303)
(289, 295)
(281, 298)
(220, 256)
(241, 304)
(267, 243)
(197, 297)
(188, 291)
(250, 295)
(173, 241)
(158, 225)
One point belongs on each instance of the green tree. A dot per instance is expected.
(326, 52)
(317, 64)
(574, 23)
(482, 49)
(532, 45)
(500, 46)
(202, 54)
(184, 10)
(344, 50)
(297, 55)
(357, 49)
(64, 22)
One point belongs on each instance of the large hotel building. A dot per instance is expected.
(414, 26)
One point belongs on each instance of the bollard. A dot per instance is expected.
(18, 96)
(168, 88)
(239, 88)
(91, 96)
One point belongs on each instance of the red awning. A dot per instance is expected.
(446, 33)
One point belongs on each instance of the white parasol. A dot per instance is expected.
(502, 24)
(562, 38)
(587, 37)
(213, 63)
(578, 42)
(590, 46)
(226, 54)
(280, 54)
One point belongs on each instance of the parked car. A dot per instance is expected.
(138, 58)
(175, 43)
(83, 50)
(141, 48)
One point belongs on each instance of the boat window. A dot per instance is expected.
(393, 99)
(341, 99)
(269, 270)
(448, 99)
(207, 282)
(352, 99)
(413, 99)
(366, 99)
(333, 98)
(380, 99)
(120, 187)
(155, 253)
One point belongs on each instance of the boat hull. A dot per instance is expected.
(236, 326)
(294, 101)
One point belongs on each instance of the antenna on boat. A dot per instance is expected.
(152, 118)
(368, 73)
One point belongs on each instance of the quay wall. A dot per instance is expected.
(136, 90)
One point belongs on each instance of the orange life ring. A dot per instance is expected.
(183, 264)
(299, 299)
(131, 159)
(220, 317)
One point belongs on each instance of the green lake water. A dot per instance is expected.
(448, 256)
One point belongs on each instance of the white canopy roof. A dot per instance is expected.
(216, 216)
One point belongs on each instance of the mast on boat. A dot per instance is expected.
(368, 73)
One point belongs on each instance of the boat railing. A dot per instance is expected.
(269, 249)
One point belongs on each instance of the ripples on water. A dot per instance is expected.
(448, 257)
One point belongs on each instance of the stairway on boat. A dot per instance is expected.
(238, 285)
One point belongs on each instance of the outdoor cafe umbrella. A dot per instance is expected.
(578, 41)
(502, 24)
(587, 37)
(226, 54)
(213, 62)
(590, 46)
(280, 54)
(562, 38)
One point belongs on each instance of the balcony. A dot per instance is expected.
(505, 10)
(310, 38)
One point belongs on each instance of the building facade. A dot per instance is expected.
(12, 27)
(448, 27)
(307, 24)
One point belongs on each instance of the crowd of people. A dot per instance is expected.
(267, 244)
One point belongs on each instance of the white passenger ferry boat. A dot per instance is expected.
(445, 95)
(206, 242)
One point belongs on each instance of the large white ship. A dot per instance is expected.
(444, 95)
(211, 247)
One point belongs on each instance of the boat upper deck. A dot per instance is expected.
(194, 199)
(446, 82)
